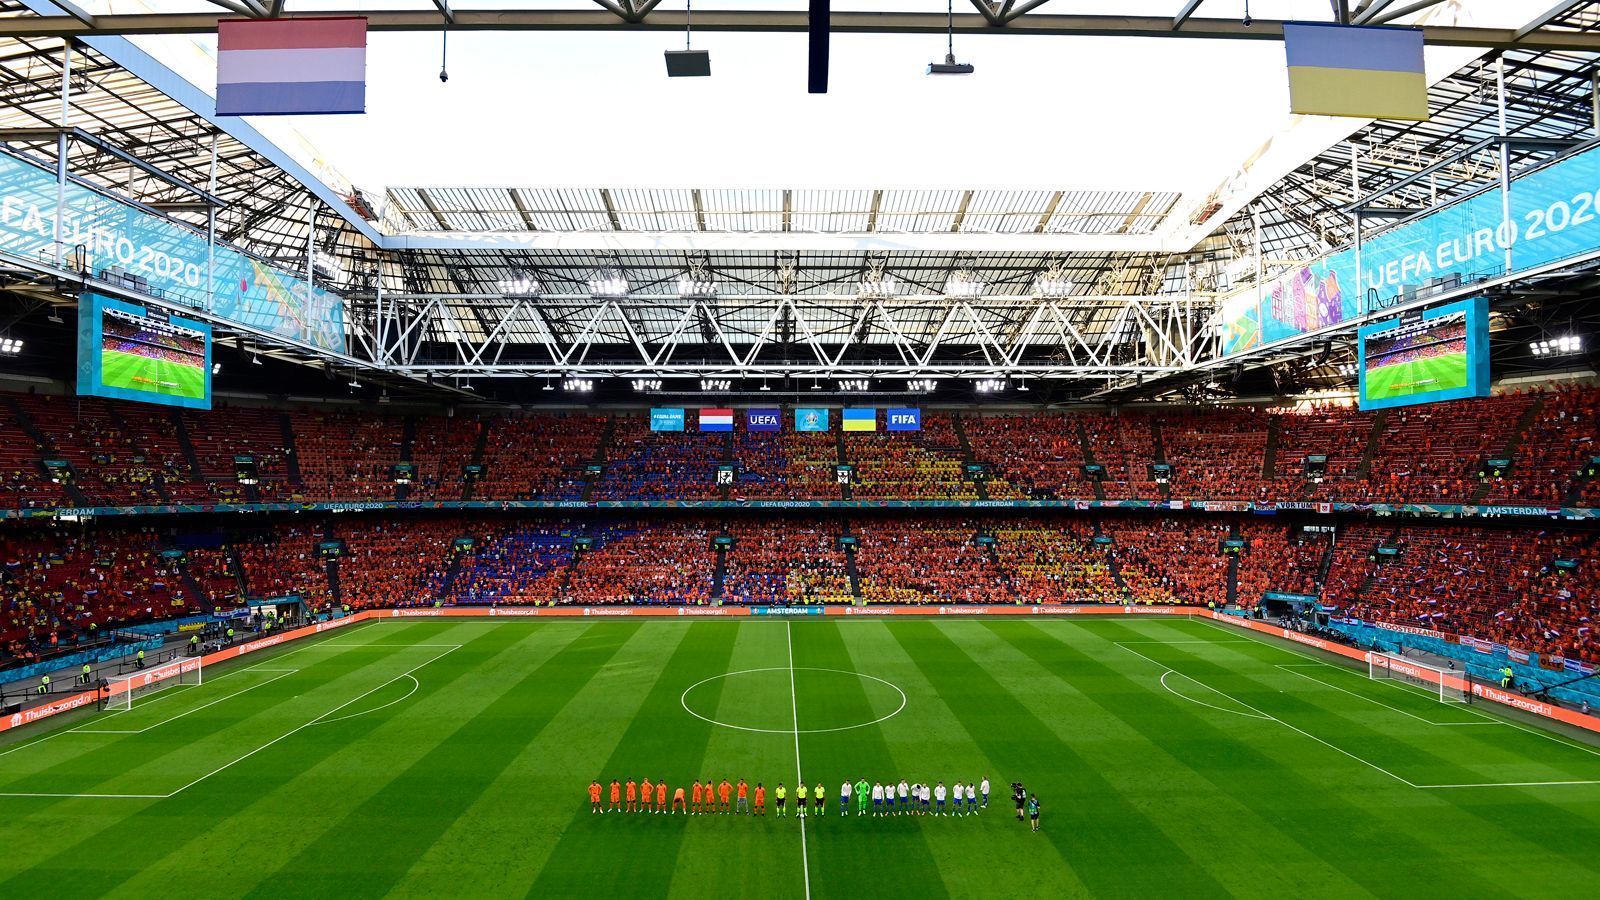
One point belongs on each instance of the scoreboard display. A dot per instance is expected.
(126, 352)
(1426, 357)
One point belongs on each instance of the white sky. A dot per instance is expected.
(578, 109)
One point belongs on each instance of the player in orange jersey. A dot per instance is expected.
(661, 796)
(646, 793)
(744, 800)
(761, 800)
(616, 796)
(724, 793)
(696, 795)
(594, 796)
(677, 801)
(631, 792)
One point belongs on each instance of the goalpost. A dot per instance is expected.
(123, 693)
(1452, 686)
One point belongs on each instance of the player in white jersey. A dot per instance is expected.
(957, 792)
(984, 786)
(844, 798)
(877, 798)
(938, 797)
(904, 790)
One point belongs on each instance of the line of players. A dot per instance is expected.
(710, 799)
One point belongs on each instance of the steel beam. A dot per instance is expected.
(786, 21)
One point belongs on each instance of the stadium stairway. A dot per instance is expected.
(1326, 564)
(980, 486)
(1159, 452)
(1110, 551)
(185, 444)
(1513, 444)
(1269, 458)
(44, 446)
(845, 492)
(479, 448)
(720, 574)
(290, 451)
(599, 459)
(1364, 468)
(192, 585)
(1233, 568)
(408, 440)
(1088, 458)
(850, 568)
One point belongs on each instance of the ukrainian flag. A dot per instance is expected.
(860, 420)
(1353, 70)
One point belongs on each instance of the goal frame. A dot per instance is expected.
(121, 695)
(1449, 685)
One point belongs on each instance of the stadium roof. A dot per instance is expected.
(811, 234)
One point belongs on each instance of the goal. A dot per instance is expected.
(1450, 685)
(123, 693)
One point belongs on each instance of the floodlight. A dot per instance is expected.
(688, 63)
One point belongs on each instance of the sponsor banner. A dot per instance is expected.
(810, 420)
(666, 419)
(116, 240)
(1293, 504)
(786, 610)
(716, 420)
(904, 420)
(859, 419)
(1222, 505)
(763, 420)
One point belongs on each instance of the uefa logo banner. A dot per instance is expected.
(763, 420)
(905, 420)
(666, 420)
(810, 420)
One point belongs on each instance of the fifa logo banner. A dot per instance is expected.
(860, 419)
(716, 420)
(666, 420)
(763, 420)
(810, 420)
(905, 420)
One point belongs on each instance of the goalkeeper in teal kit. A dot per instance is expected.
(863, 792)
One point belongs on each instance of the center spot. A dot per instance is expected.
(761, 700)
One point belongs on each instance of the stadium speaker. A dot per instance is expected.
(817, 71)
(688, 63)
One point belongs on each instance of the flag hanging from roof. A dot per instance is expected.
(1353, 70)
(283, 67)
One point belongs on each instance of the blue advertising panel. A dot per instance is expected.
(128, 353)
(1424, 357)
(116, 240)
(905, 420)
(810, 420)
(666, 419)
(1553, 217)
(763, 420)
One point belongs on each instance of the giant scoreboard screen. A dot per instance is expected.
(126, 352)
(1424, 357)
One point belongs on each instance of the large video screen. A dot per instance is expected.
(1425, 357)
(126, 352)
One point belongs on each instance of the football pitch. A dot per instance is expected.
(132, 372)
(1422, 376)
(1172, 758)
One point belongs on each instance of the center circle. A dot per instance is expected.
(764, 700)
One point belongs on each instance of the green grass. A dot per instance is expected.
(427, 759)
(1422, 376)
(132, 372)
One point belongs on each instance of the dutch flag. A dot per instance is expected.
(716, 420)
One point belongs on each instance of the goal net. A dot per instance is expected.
(1450, 685)
(124, 693)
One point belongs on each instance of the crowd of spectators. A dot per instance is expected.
(60, 585)
(125, 454)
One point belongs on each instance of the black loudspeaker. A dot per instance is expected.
(817, 70)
